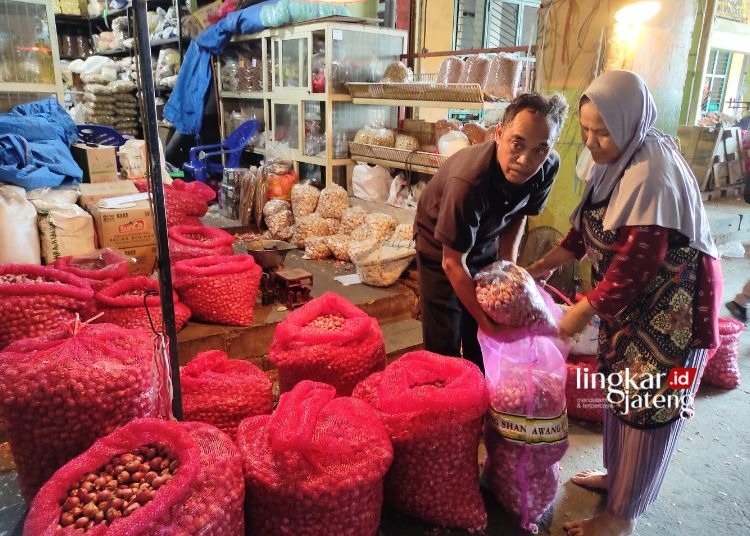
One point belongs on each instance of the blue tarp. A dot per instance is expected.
(35, 140)
(185, 106)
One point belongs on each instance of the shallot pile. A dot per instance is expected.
(62, 392)
(190, 241)
(315, 466)
(432, 407)
(305, 347)
(222, 391)
(186, 202)
(197, 488)
(35, 300)
(723, 368)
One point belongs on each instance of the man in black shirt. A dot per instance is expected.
(473, 212)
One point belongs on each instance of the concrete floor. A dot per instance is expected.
(707, 488)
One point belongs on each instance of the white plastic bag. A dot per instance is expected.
(19, 237)
(371, 183)
(64, 229)
(452, 142)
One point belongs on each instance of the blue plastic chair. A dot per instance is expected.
(199, 168)
(100, 134)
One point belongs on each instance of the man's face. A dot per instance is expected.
(523, 145)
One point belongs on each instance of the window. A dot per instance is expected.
(495, 23)
(715, 81)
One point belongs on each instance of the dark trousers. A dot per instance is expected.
(447, 327)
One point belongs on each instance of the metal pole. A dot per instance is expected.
(151, 134)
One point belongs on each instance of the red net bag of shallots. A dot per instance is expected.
(35, 300)
(315, 466)
(222, 391)
(190, 241)
(123, 304)
(61, 392)
(583, 391)
(154, 477)
(510, 296)
(432, 407)
(329, 340)
(186, 202)
(526, 429)
(99, 269)
(722, 370)
(219, 288)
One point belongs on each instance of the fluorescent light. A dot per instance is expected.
(637, 12)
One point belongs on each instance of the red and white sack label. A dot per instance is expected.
(522, 429)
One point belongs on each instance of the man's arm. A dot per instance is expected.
(454, 266)
(510, 239)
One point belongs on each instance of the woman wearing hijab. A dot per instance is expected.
(642, 225)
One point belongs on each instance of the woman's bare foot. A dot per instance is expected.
(602, 525)
(591, 478)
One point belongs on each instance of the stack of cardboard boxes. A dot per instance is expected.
(122, 217)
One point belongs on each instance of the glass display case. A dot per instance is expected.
(29, 56)
(285, 123)
(361, 56)
(291, 60)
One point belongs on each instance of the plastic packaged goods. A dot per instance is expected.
(432, 407)
(453, 142)
(503, 79)
(274, 206)
(200, 489)
(406, 143)
(333, 202)
(280, 174)
(371, 135)
(444, 126)
(475, 70)
(35, 300)
(310, 226)
(329, 340)
(305, 198)
(278, 221)
(475, 132)
(450, 70)
(315, 466)
(404, 231)
(339, 246)
(46, 381)
(221, 391)
(353, 217)
(397, 73)
(316, 248)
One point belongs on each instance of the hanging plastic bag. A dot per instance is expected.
(315, 466)
(432, 407)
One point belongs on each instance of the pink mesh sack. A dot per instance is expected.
(186, 202)
(723, 369)
(61, 392)
(329, 340)
(219, 288)
(122, 304)
(222, 391)
(35, 300)
(432, 407)
(204, 497)
(315, 466)
(584, 395)
(526, 429)
(190, 241)
(100, 269)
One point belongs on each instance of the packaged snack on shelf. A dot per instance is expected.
(475, 132)
(406, 143)
(475, 70)
(450, 70)
(503, 79)
(397, 72)
(444, 126)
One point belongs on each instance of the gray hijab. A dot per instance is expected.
(650, 183)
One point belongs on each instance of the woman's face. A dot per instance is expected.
(596, 136)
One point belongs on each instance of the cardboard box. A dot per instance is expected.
(91, 193)
(126, 227)
(98, 162)
(145, 259)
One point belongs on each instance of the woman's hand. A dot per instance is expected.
(540, 272)
(575, 319)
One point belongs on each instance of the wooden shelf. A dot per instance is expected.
(433, 104)
(394, 164)
(285, 96)
(242, 95)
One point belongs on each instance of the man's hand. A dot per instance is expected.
(539, 272)
(575, 319)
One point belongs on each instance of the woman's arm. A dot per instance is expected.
(570, 248)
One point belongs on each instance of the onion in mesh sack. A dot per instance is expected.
(100, 269)
(305, 348)
(315, 466)
(190, 241)
(222, 391)
(432, 407)
(63, 391)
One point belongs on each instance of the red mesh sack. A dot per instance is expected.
(186, 202)
(190, 241)
(35, 300)
(584, 396)
(122, 304)
(222, 391)
(60, 393)
(329, 340)
(315, 466)
(432, 407)
(204, 497)
(219, 288)
(100, 269)
(526, 429)
(723, 369)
